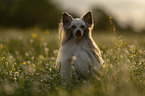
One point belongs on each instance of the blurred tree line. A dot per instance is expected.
(28, 13)
(45, 14)
(104, 22)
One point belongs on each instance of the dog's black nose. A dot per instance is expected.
(78, 33)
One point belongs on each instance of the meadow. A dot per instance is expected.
(28, 67)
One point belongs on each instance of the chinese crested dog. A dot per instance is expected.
(77, 43)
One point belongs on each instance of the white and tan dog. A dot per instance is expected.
(77, 41)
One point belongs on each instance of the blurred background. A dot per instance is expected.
(123, 15)
(29, 43)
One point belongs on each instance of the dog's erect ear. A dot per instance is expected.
(66, 19)
(87, 18)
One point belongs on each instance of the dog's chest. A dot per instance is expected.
(78, 50)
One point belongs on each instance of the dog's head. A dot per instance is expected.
(77, 26)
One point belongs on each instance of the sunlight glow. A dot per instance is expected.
(125, 11)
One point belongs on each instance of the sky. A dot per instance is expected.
(124, 11)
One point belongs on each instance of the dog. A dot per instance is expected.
(77, 43)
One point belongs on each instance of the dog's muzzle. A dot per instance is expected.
(78, 33)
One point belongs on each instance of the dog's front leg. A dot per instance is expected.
(65, 69)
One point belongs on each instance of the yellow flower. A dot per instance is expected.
(47, 32)
(120, 43)
(24, 62)
(1, 46)
(125, 43)
(133, 48)
(34, 35)
(120, 36)
(118, 58)
(42, 39)
(13, 69)
(113, 39)
(104, 65)
(110, 17)
(132, 55)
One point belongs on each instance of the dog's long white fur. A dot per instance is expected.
(86, 52)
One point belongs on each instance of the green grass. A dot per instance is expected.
(28, 68)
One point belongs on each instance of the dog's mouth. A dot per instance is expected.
(78, 34)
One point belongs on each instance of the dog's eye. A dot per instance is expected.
(73, 27)
(82, 26)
